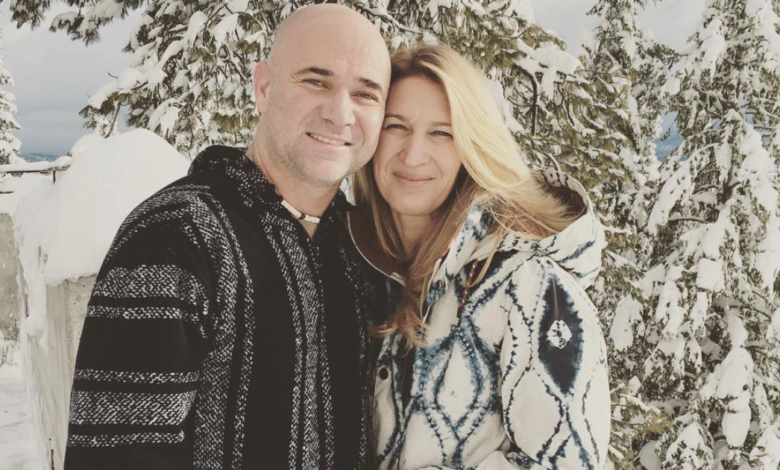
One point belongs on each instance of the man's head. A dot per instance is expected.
(321, 95)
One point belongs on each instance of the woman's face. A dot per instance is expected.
(416, 163)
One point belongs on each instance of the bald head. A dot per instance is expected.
(326, 18)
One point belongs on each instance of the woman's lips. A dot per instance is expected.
(410, 179)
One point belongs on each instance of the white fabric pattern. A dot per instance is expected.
(518, 378)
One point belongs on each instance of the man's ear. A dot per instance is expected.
(262, 83)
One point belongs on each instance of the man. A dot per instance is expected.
(227, 326)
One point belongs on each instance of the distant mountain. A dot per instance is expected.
(39, 157)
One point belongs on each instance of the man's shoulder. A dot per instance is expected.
(187, 205)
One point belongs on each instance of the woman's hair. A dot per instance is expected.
(494, 175)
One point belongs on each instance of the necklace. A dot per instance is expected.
(295, 212)
(300, 215)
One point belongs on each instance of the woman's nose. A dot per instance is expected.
(415, 151)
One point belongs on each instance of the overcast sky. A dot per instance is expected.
(55, 76)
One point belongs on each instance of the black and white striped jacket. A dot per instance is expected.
(220, 336)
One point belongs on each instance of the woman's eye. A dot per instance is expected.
(443, 134)
(393, 126)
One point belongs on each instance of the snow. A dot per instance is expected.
(64, 230)
(19, 188)
(652, 277)
(709, 275)
(731, 377)
(165, 116)
(197, 22)
(127, 80)
(521, 8)
(713, 44)
(757, 164)
(648, 457)
(674, 190)
(736, 421)
(770, 444)
(767, 261)
(688, 442)
(669, 310)
(737, 331)
(767, 30)
(776, 323)
(84, 143)
(18, 449)
(36, 166)
(627, 313)
(225, 27)
(238, 6)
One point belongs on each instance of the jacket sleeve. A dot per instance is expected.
(555, 390)
(137, 368)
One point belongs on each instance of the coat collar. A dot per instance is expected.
(253, 188)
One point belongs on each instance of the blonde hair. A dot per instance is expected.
(494, 175)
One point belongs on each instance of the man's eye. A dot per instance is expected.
(314, 82)
(367, 96)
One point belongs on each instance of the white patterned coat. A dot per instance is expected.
(517, 379)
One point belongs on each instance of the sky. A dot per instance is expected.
(55, 76)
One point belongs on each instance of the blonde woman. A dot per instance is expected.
(493, 357)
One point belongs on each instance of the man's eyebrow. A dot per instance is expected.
(316, 71)
(329, 73)
(371, 84)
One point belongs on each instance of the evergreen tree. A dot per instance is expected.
(9, 145)
(627, 71)
(715, 236)
(190, 78)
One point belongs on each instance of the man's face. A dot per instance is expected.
(323, 103)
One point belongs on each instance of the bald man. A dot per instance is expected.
(227, 328)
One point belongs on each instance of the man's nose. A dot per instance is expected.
(338, 108)
(416, 150)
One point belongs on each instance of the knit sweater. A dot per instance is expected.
(220, 336)
(513, 371)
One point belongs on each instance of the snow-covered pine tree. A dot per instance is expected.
(190, 78)
(715, 234)
(9, 144)
(626, 70)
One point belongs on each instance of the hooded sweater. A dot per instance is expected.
(220, 336)
(513, 372)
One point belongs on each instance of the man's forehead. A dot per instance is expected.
(366, 66)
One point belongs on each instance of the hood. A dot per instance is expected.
(577, 248)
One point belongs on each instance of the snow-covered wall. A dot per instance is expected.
(49, 363)
(9, 291)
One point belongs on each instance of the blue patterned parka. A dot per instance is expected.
(513, 374)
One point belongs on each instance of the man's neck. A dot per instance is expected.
(306, 198)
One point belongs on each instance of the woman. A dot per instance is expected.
(494, 358)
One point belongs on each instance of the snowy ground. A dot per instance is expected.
(16, 425)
